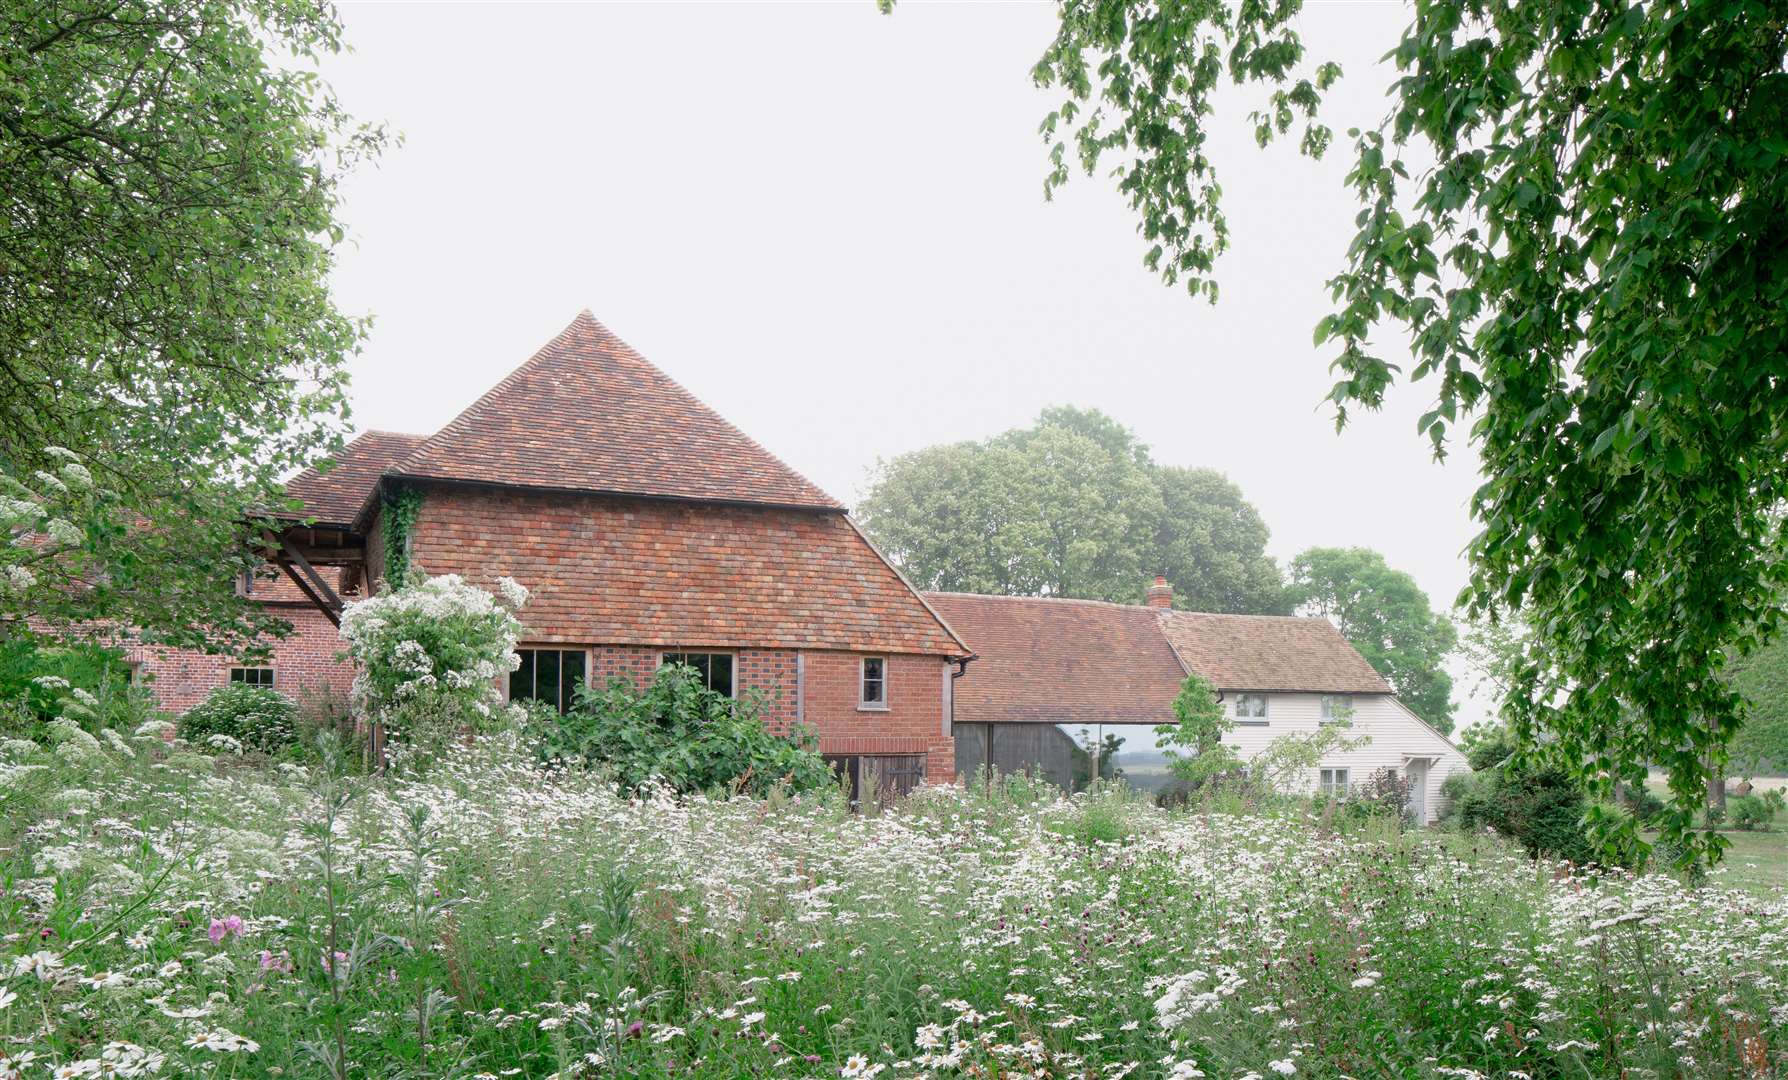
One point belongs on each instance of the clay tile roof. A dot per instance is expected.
(587, 413)
(333, 496)
(1270, 652)
(1061, 661)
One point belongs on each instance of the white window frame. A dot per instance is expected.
(1333, 781)
(1330, 701)
(863, 702)
(732, 656)
(1252, 719)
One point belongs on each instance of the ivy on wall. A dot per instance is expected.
(396, 525)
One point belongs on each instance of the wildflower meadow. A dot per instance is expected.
(169, 912)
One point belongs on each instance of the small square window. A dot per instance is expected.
(874, 691)
(1336, 707)
(253, 676)
(1333, 783)
(1251, 709)
(715, 668)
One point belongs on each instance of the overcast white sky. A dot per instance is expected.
(829, 225)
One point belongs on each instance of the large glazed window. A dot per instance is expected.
(549, 676)
(715, 668)
(1067, 755)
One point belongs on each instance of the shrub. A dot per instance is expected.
(1383, 796)
(257, 717)
(432, 651)
(1642, 804)
(37, 680)
(678, 732)
(1542, 808)
(1754, 812)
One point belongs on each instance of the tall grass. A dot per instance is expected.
(490, 919)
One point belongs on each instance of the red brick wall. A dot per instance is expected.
(304, 659)
(913, 723)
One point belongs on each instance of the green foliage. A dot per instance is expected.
(1760, 748)
(1755, 812)
(1194, 747)
(171, 173)
(1546, 810)
(257, 718)
(36, 678)
(1383, 796)
(679, 733)
(1580, 216)
(1487, 745)
(1152, 68)
(1386, 616)
(1072, 506)
(397, 523)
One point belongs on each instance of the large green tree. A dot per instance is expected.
(1384, 614)
(1072, 506)
(169, 176)
(1578, 214)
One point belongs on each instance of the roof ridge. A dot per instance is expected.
(460, 421)
(588, 397)
(628, 350)
(1042, 599)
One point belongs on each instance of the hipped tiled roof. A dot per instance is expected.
(333, 494)
(1061, 661)
(587, 413)
(1084, 661)
(1270, 652)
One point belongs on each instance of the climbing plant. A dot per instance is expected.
(396, 525)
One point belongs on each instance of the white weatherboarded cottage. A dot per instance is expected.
(1062, 687)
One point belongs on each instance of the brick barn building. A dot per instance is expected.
(647, 529)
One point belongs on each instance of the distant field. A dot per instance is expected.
(1756, 862)
(1762, 783)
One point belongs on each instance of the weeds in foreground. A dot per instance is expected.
(488, 917)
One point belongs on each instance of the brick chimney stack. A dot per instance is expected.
(1160, 594)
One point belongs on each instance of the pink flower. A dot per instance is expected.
(223, 928)
(270, 962)
(340, 958)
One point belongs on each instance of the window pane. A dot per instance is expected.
(521, 680)
(573, 677)
(873, 681)
(720, 673)
(546, 676)
(238, 674)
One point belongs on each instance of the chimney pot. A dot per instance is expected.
(1160, 594)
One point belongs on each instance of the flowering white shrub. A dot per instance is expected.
(441, 638)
